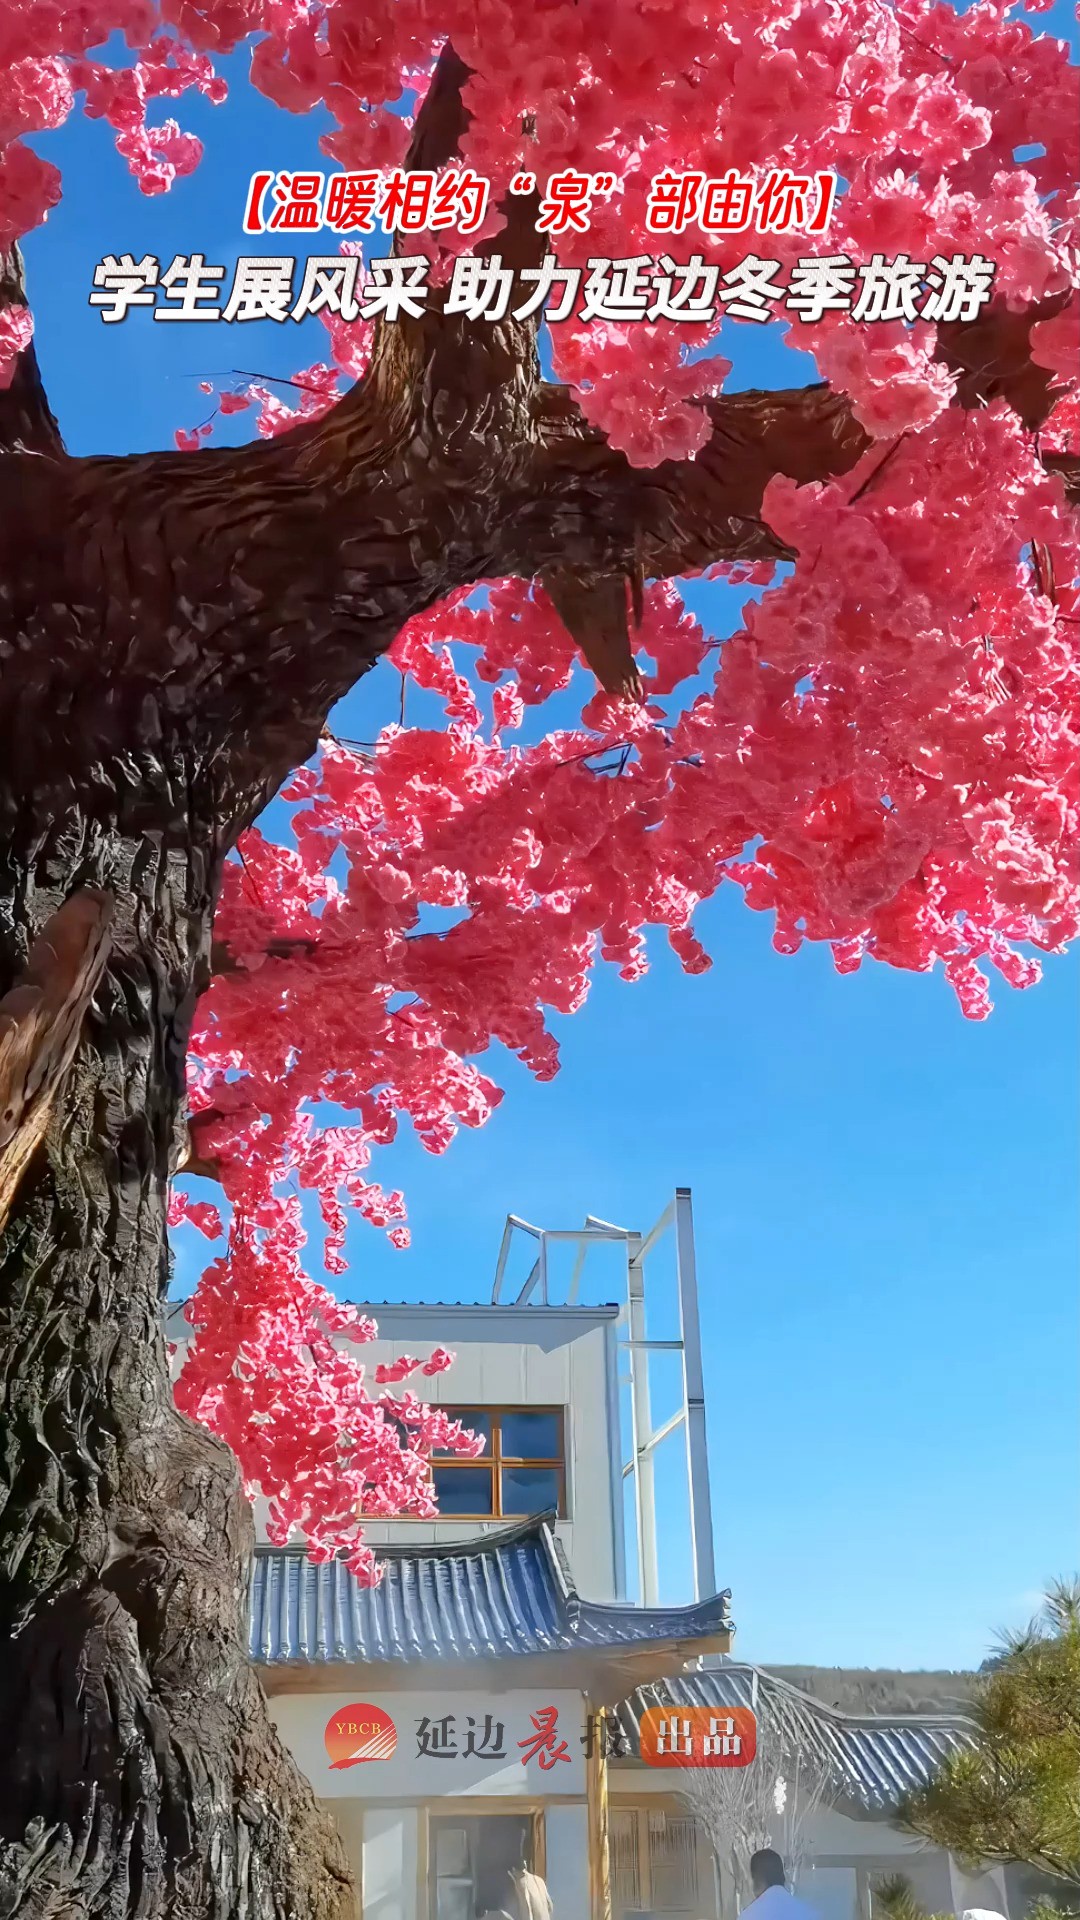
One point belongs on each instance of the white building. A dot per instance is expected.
(541, 1384)
(485, 1702)
(476, 1671)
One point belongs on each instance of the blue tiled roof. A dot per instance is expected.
(871, 1759)
(504, 1594)
(510, 1595)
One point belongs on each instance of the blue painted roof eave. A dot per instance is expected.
(505, 1596)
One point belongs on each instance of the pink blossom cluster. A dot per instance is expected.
(267, 1371)
(885, 758)
(921, 110)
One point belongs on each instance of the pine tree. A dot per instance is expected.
(1015, 1794)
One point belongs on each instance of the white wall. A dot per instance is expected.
(987, 1890)
(838, 1833)
(832, 1892)
(307, 1722)
(567, 1830)
(391, 1847)
(538, 1356)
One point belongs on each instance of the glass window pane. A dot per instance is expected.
(464, 1490)
(531, 1436)
(456, 1900)
(474, 1420)
(529, 1489)
(451, 1850)
(502, 1843)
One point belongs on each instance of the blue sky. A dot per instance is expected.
(885, 1194)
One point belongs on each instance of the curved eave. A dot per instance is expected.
(873, 1759)
(504, 1597)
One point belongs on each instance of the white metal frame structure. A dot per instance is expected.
(632, 1324)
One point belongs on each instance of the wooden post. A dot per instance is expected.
(597, 1791)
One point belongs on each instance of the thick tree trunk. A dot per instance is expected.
(139, 1775)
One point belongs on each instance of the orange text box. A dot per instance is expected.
(698, 1736)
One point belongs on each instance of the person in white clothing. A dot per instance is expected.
(534, 1900)
(772, 1901)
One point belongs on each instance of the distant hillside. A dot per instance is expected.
(882, 1690)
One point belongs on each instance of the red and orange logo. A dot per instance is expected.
(698, 1737)
(357, 1733)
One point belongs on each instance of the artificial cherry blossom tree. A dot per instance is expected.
(883, 758)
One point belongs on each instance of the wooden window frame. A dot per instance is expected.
(496, 1459)
(471, 1808)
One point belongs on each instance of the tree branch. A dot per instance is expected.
(479, 380)
(441, 124)
(443, 116)
(243, 591)
(594, 613)
(188, 1157)
(684, 515)
(223, 960)
(991, 357)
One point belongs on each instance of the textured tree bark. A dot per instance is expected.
(41, 1020)
(173, 631)
(139, 1775)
